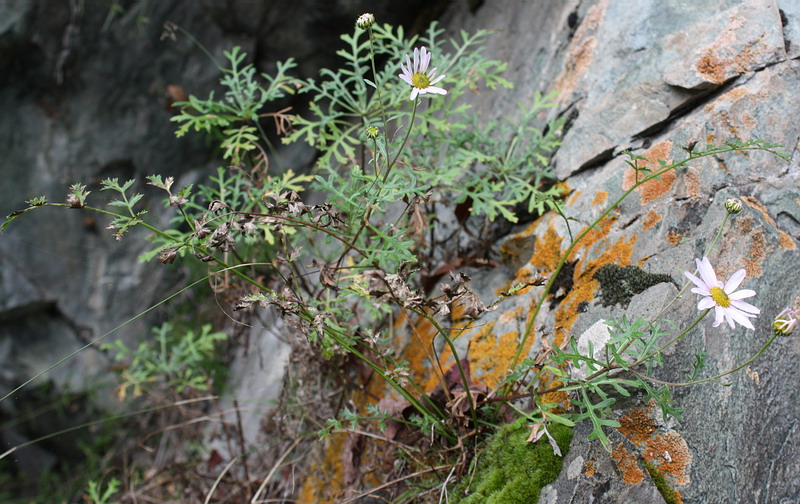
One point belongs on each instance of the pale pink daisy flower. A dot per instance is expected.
(417, 75)
(724, 298)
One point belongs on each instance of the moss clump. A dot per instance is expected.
(619, 284)
(671, 496)
(512, 471)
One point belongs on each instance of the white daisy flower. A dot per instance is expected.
(417, 75)
(727, 304)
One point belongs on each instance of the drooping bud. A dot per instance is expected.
(785, 322)
(732, 206)
(365, 21)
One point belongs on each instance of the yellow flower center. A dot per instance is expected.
(420, 80)
(719, 297)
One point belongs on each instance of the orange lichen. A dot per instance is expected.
(584, 284)
(655, 188)
(637, 425)
(757, 253)
(417, 350)
(589, 468)
(674, 237)
(559, 398)
(710, 68)
(666, 451)
(785, 241)
(651, 219)
(573, 198)
(643, 260)
(547, 250)
(491, 357)
(691, 180)
(733, 95)
(323, 485)
(510, 315)
(670, 454)
(523, 276)
(581, 49)
(627, 465)
(600, 198)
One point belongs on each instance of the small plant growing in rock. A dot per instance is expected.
(395, 144)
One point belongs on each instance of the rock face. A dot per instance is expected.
(649, 76)
(86, 95)
(85, 98)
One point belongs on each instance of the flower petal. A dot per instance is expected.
(706, 303)
(735, 315)
(702, 291)
(408, 65)
(414, 92)
(707, 272)
(745, 307)
(728, 318)
(741, 294)
(416, 59)
(435, 90)
(734, 281)
(718, 314)
(699, 283)
(437, 79)
(406, 78)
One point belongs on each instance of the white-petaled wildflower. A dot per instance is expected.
(785, 322)
(365, 21)
(724, 298)
(418, 77)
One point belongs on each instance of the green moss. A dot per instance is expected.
(512, 471)
(666, 491)
(619, 284)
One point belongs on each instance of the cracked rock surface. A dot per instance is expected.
(649, 76)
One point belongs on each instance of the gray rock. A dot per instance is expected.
(632, 73)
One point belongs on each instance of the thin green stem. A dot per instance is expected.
(687, 284)
(101, 337)
(715, 377)
(582, 234)
(673, 340)
(104, 420)
(403, 145)
(452, 346)
(612, 367)
(377, 85)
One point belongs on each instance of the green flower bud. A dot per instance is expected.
(733, 206)
(372, 132)
(365, 21)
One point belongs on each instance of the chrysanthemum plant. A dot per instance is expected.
(395, 138)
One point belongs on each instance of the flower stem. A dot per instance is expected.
(715, 377)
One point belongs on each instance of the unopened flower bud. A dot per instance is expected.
(372, 132)
(365, 21)
(733, 206)
(785, 322)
